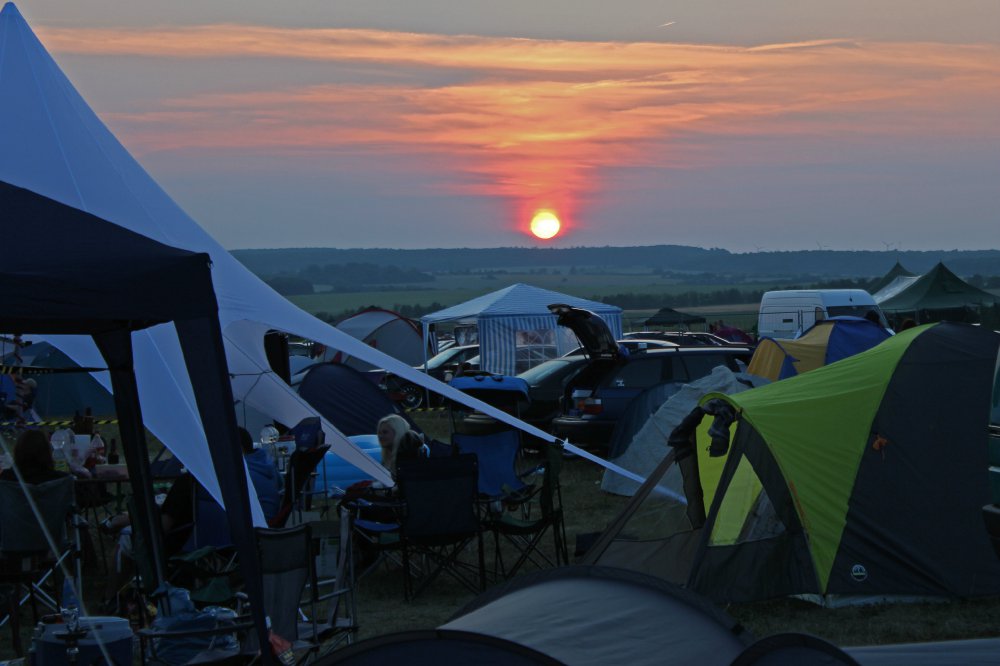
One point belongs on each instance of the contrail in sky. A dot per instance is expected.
(664, 25)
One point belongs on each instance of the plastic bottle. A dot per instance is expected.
(98, 448)
(69, 606)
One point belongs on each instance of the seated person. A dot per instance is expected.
(398, 442)
(177, 511)
(264, 475)
(33, 458)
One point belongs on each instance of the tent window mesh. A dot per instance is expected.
(746, 513)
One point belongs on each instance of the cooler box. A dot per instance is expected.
(334, 472)
(114, 632)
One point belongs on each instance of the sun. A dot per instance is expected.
(545, 224)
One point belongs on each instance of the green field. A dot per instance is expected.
(450, 290)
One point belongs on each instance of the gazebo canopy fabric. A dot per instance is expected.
(671, 317)
(77, 274)
(501, 314)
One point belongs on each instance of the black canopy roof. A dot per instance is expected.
(73, 273)
(671, 317)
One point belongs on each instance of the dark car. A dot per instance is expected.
(631, 345)
(599, 393)
(682, 338)
(442, 366)
(546, 385)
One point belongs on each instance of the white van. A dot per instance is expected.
(785, 314)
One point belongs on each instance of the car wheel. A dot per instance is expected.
(413, 396)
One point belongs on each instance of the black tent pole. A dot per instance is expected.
(205, 358)
(116, 348)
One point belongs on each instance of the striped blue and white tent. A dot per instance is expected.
(518, 316)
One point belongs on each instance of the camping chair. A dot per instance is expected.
(207, 564)
(440, 519)
(500, 484)
(309, 452)
(33, 546)
(434, 515)
(524, 531)
(288, 570)
(334, 569)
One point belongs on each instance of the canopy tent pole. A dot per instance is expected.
(205, 358)
(116, 348)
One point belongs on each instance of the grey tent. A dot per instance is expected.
(573, 615)
(583, 615)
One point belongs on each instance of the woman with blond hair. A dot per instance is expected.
(398, 441)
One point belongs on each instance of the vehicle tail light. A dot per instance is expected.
(577, 399)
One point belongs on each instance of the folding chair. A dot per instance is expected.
(498, 454)
(309, 452)
(206, 564)
(288, 571)
(27, 556)
(524, 532)
(335, 552)
(440, 519)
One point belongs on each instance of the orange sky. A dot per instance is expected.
(540, 123)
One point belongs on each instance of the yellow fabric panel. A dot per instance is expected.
(809, 352)
(767, 360)
(736, 504)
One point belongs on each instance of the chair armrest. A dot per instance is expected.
(241, 623)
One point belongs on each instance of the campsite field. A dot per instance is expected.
(588, 509)
(448, 290)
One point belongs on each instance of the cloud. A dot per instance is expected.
(541, 120)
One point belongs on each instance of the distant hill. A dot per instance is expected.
(802, 264)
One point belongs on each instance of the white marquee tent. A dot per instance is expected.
(519, 310)
(52, 143)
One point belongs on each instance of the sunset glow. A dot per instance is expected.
(515, 123)
(545, 224)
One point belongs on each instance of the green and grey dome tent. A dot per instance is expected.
(864, 478)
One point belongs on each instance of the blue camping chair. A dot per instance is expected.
(498, 456)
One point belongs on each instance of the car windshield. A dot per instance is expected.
(447, 356)
(543, 370)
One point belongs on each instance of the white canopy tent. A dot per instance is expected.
(52, 143)
(519, 311)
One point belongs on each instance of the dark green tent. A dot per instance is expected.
(864, 478)
(671, 317)
(896, 271)
(937, 295)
